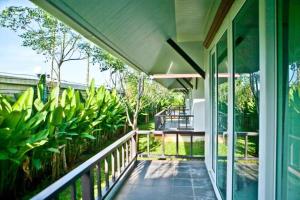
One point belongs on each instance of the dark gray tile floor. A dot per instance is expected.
(160, 180)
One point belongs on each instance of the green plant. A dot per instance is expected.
(19, 133)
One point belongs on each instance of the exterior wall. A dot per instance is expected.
(198, 104)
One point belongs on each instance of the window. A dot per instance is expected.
(246, 102)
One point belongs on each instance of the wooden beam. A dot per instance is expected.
(163, 76)
(182, 85)
(188, 82)
(186, 57)
(222, 11)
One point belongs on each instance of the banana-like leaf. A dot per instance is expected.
(53, 150)
(25, 102)
(38, 104)
(54, 98)
(86, 135)
(56, 116)
(5, 106)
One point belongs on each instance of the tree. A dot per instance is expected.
(130, 86)
(45, 35)
(132, 97)
(94, 55)
(138, 93)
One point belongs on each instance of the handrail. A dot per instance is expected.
(183, 116)
(166, 117)
(160, 113)
(163, 134)
(84, 170)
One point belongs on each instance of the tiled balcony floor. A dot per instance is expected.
(155, 180)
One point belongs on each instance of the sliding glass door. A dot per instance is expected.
(222, 114)
(288, 179)
(214, 106)
(246, 102)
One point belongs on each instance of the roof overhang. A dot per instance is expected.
(137, 31)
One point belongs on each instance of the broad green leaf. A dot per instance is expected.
(86, 135)
(54, 150)
(56, 116)
(25, 102)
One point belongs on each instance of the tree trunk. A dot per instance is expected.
(54, 172)
(64, 159)
(88, 71)
(52, 60)
(51, 74)
(58, 75)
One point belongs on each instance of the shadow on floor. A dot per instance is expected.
(172, 180)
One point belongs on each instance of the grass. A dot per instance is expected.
(170, 146)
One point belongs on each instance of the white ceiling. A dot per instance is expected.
(137, 30)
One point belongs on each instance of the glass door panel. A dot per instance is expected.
(289, 100)
(246, 102)
(214, 107)
(222, 114)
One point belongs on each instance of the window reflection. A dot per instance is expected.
(289, 101)
(246, 102)
(222, 113)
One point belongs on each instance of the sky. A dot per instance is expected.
(16, 59)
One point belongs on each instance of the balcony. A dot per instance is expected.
(174, 118)
(141, 165)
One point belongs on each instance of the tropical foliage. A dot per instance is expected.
(39, 138)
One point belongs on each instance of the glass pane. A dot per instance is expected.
(222, 111)
(214, 108)
(246, 101)
(289, 100)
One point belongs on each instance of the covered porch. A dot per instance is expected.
(152, 37)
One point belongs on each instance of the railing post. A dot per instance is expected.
(163, 144)
(177, 144)
(191, 145)
(87, 185)
(123, 157)
(130, 149)
(99, 180)
(118, 162)
(106, 174)
(73, 191)
(246, 146)
(137, 143)
(127, 153)
(186, 122)
(148, 144)
(113, 174)
(133, 146)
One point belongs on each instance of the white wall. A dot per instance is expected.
(198, 104)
